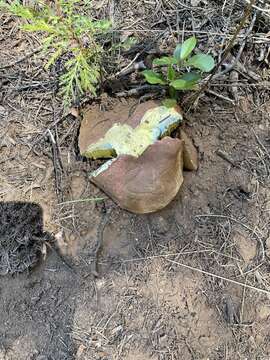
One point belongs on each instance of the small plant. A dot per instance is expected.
(179, 75)
(69, 35)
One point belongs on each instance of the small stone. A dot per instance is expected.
(259, 339)
(190, 154)
(246, 247)
(264, 312)
(78, 184)
(161, 226)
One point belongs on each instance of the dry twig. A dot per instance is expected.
(246, 15)
(267, 292)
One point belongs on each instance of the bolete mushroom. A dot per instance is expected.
(145, 171)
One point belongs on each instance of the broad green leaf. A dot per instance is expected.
(177, 52)
(190, 85)
(165, 60)
(153, 78)
(169, 103)
(202, 61)
(187, 47)
(181, 84)
(191, 77)
(178, 84)
(171, 73)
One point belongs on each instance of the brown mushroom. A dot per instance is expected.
(146, 183)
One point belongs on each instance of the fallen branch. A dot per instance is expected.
(225, 157)
(132, 66)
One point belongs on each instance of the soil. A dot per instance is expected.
(112, 285)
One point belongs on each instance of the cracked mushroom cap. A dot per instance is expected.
(146, 183)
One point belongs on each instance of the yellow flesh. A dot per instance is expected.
(123, 139)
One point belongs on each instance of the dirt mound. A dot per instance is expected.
(21, 236)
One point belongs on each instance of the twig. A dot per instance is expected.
(103, 223)
(132, 66)
(237, 58)
(220, 277)
(240, 223)
(37, 85)
(261, 145)
(264, 11)
(139, 90)
(225, 157)
(56, 161)
(27, 56)
(259, 36)
(220, 96)
(246, 15)
(79, 201)
(166, 255)
(243, 302)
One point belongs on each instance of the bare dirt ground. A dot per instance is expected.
(189, 282)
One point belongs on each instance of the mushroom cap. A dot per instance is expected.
(146, 183)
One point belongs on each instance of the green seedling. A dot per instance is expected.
(180, 74)
(69, 36)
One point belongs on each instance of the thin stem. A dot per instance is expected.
(172, 92)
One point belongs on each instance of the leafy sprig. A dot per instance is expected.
(69, 35)
(180, 74)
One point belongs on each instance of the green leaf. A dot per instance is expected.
(169, 103)
(54, 57)
(178, 84)
(181, 84)
(102, 25)
(165, 60)
(153, 78)
(187, 47)
(20, 10)
(190, 85)
(177, 52)
(182, 51)
(40, 25)
(171, 73)
(128, 43)
(191, 77)
(202, 61)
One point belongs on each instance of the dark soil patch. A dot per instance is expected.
(21, 236)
